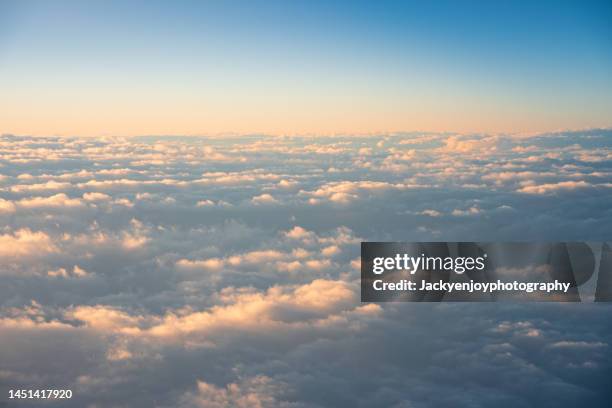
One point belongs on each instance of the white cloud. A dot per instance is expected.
(95, 196)
(254, 392)
(25, 243)
(57, 200)
(554, 187)
(109, 266)
(49, 185)
(6, 206)
(264, 199)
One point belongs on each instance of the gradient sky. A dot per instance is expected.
(194, 68)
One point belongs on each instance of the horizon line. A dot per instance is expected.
(322, 135)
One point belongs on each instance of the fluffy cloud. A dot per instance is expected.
(6, 206)
(553, 187)
(96, 197)
(264, 199)
(57, 200)
(225, 271)
(255, 392)
(25, 243)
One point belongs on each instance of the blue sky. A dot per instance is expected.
(294, 67)
(182, 272)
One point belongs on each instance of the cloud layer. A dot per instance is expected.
(221, 272)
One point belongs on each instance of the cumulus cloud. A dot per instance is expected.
(75, 272)
(57, 200)
(552, 187)
(6, 206)
(346, 191)
(255, 392)
(225, 271)
(264, 199)
(25, 243)
(470, 144)
(49, 185)
(94, 196)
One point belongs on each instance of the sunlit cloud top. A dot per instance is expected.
(224, 271)
(137, 68)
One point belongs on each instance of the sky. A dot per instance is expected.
(175, 232)
(224, 272)
(303, 67)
